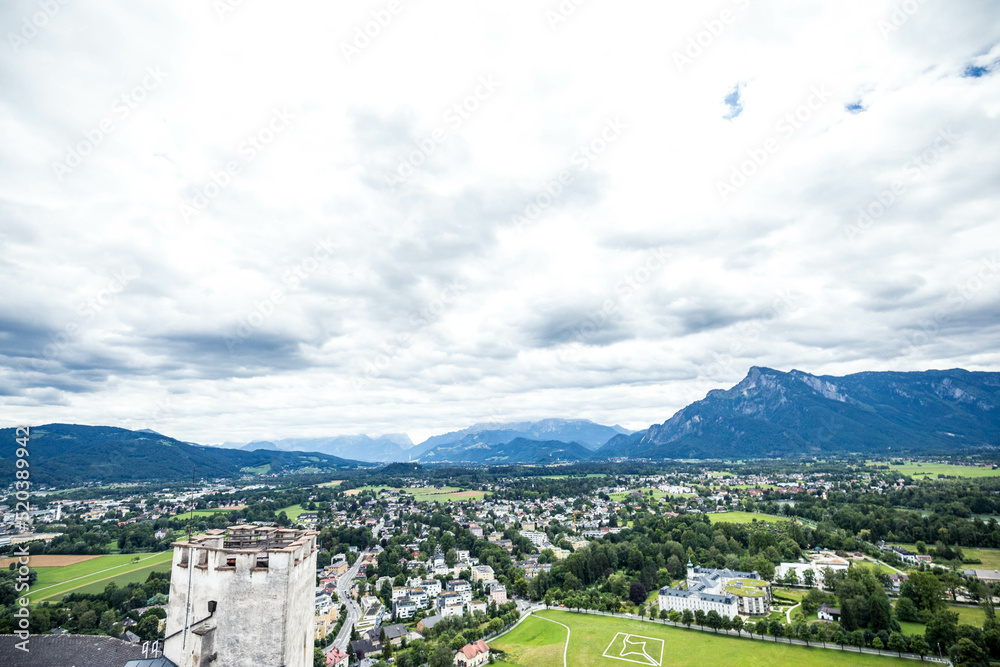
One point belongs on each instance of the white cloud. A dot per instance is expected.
(429, 307)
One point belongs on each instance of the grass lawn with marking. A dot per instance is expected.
(54, 582)
(539, 643)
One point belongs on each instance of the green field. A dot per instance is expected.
(990, 558)
(935, 469)
(657, 494)
(539, 643)
(444, 494)
(208, 512)
(969, 615)
(744, 517)
(53, 582)
(292, 511)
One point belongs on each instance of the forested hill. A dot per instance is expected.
(65, 454)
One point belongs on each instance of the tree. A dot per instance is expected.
(713, 620)
(919, 646)
(879, 612)
(877, 644)
(802, 631)
(906, 610)
(699, 617)
(637, 593)
(925, 590)
(442, 657)
(776, 629)
(966, 652)
(738, 625)
(897, 643)
(858, 639)
(147, 628)
(319, 658)
(812, 601)
(687, 617)
(942, 628)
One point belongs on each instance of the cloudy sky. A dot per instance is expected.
(232, 220)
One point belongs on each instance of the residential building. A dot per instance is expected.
(473, 654)
(336, 658)
(828, 613)
(498, 594)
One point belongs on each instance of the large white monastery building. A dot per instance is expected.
(728, 592)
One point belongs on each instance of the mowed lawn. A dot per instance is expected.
(54, 582)
(445, 494)
(292, 511)
(935, 469)
(532, 644)
(744, 517)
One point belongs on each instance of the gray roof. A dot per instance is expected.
(395, 631)
(708, 597)
(69, 651)
(431, 621)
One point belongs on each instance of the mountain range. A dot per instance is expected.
(382, 448)
(449, 446)
(68, 454)
(775, 414)
(769, 414)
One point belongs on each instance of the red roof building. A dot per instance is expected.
(473, 654)
(336, 658)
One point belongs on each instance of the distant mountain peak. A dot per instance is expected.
(773, 413)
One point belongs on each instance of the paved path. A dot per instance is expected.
(344, 583)
(788, 612)
(566, 647)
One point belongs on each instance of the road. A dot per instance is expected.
(353, 610)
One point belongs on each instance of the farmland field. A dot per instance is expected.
(540, 643)
(744, 517)
(934, 469)
(44, 560)
(443, 494)
(54, 582)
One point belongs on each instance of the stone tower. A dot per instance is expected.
(242, 597)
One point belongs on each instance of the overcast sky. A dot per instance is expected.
(229, 220)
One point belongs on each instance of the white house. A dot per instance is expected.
(472, 655)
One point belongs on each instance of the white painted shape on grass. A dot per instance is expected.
(635, 646)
